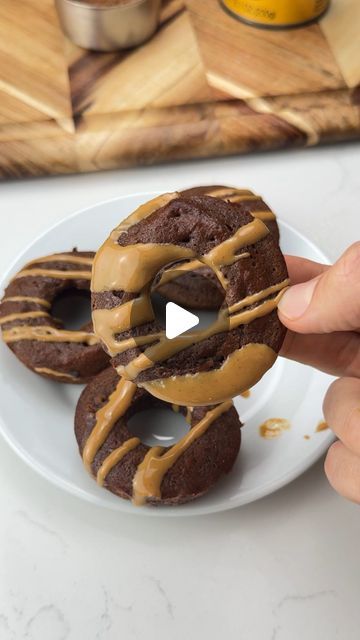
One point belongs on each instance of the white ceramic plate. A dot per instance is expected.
(36, 415)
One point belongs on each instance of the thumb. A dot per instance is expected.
(330, 302)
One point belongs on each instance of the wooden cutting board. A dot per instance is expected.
(205, 85)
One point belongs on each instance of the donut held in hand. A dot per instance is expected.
(207, 366)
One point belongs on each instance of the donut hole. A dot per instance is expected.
(159, 306)
(197, 291)
(158, 426)
(72, 308)
(206, 316)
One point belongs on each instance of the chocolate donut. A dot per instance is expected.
(212, 365)
(159, 475)
(199, 288)
(34, 335)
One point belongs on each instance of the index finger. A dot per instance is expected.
(302, 269)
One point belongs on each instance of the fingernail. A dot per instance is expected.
(296, 300)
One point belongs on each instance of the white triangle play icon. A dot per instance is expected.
(178, 320)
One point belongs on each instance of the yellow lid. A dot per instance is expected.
(277, 13)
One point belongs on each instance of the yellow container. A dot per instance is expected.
(276, 14)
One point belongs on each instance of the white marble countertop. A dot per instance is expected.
(286, 567)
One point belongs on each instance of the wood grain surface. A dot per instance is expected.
(204, 85)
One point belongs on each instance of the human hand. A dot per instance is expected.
(322, 312)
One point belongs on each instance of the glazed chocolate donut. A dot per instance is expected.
(199, 288)
(212, 365)
(34, 335)
(159, 475)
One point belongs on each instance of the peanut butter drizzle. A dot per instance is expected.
(247, 316)
(249, 234)
(57, 374)
(224, 253)
(242, 195)
(131, 343)
(173, 272)
(246, 393)
(322, 426)
(133, 267)
(241, 369)
(61, 257)
(23, 315)
(139, 492)
(261, 214)
(265, 216)
(188, 416)
(236, 258)
(175, 408)
(224, 193)
(44, 333)
(261, 295)
(144, 211)
(273, 428)
(150, 473)
(165, 349)
(117, 405)
(109, 322)
(115, 457)
(54, 273)
(29, 299)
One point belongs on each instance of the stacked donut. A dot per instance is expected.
(215, 246)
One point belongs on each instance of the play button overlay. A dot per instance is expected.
(173, 317)
(178, 320)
